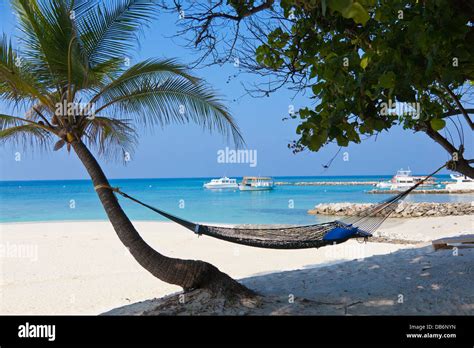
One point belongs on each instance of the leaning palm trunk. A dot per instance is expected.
(53, 83)
(189, 274)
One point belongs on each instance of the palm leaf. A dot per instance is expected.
(111, 137)
(7, 121)
(150, 69)
(174, 99)
(101, 74)
(33, 112)
(49, 35)
(109, 30)
(17, 80)
(73, 51)
(26, 135)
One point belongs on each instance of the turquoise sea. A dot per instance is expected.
(22, 201)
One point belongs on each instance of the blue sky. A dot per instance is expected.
(188, 151)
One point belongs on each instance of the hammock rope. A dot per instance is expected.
(295, 237)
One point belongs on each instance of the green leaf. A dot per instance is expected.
(370, 95)
(350, 9)
(387, 80)
(437, 124)
(339, 5)
(357, 13)
(378, 15)
(367, 3)
(364, 62)
(317, 88)
(330, 56)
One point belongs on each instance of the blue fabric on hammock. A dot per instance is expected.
(341, 234)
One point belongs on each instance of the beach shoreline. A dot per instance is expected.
(82, 268)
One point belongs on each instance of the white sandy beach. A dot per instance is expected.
(82, 268)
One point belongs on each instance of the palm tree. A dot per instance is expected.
(70, 83)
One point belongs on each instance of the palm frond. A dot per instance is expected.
(17, 80)
(174, 99)
(110, 29)
(73, 51)
(49, 33)
(101, 74)
(111, 137)
(26, 135)
(147, 70)
(7, 121)
(36, 110)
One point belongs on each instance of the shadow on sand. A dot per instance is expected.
(417, 281)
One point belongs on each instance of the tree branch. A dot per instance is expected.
(457, 112)
(461, 108)
(460, 165)
(207, 20)
(436, 136)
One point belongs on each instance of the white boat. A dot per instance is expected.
(462, 183)
(404, 179)
(384, 184)
(256, 183)
(222, 183)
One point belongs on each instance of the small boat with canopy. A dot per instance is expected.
(256, 183)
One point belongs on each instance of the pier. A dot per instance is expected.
(327, 183)
(337, 183)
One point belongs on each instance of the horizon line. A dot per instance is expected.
(207, 177)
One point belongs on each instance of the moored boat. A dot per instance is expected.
(256, 183)
(462, 183)
(222, 183)
(404, 179)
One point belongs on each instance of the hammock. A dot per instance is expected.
(297, 237)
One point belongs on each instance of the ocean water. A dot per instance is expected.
(23, 201)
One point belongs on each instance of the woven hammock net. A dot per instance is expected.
(297, 237)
